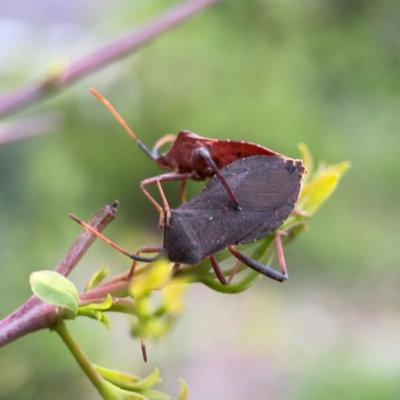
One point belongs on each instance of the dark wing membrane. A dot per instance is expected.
(266, 223)
(217, 229)
(257, 182)
(214, 195)
(268, 184)
(267, 189)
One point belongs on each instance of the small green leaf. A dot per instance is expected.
(154, 395)
(316, 192)
(151, 327)
(144, 306)
(101, 317)
(339, 169)
(94, 311)
(173, 295)
(127, 381)
(97, 277)
(109, 391)
(107, 303)
(156, 278)
(56, 289)
(113, 375)
(149, 381)
(184, 390)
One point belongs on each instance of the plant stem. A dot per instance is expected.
(99, 221)
(119, 289)
(126, 306)
(79, 355)
(34, 314)
(22, 98)
(30, 127)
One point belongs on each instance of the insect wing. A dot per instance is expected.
(269, 183)
(267, 189)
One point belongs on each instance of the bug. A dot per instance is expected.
(190, 157)
(266, 187)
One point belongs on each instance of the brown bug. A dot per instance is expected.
(267, 188)
(190, 157)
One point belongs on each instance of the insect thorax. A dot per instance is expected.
(180, 241)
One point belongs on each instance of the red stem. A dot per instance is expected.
(21, 98)
(35, 314)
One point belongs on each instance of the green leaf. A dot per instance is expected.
(128, 381)
(113, 375)
(184, 390)
(101, 317)
(156, 278)
(173, 296)
(107, 303)
(339, 169)
(152, 327)
(154, 395)
(109, 391)
(53, 288)
(97, 278)
(316, 192)
(149, 381)
(94, 311)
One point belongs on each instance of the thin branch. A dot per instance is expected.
(121, 305)
(30, 127)
(21, 98)
(80, 356)
(35, 314)
(99, 221)
(119, 289)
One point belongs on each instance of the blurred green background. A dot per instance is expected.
(277, 73)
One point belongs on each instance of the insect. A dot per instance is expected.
(266, 188)
(190, 157)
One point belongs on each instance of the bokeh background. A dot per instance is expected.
(323, 72)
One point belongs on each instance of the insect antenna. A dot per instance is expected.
(114, 112)
(160, 142)
(109, 242)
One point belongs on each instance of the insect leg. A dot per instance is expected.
(175, 268)
(204, 155)
(142, 250)
(109, 242)
(157, 180)
(300, 213)
(279, 251)
(182, 191)
(218, 271)
(233, 273)
(160, 142)
(263, 269)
